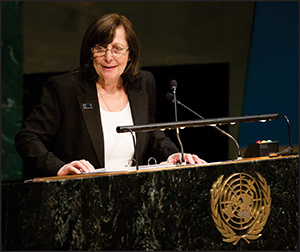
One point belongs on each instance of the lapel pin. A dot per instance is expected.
(87, 106)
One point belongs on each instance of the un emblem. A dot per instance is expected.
(240, 206)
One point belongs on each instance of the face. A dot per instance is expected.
(107, 66)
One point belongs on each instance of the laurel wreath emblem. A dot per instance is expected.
(253, 232)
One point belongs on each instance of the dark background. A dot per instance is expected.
(202, 88)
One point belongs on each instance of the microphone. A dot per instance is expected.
(170, 97)
(173, 85)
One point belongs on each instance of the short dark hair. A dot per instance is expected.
(102, 31)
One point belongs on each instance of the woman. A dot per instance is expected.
(73, 129)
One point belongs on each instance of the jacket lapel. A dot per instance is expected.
(88, 102)
(139, 109)
(89, 106)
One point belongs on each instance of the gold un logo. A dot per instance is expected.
(240, 206)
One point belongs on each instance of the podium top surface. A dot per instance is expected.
(154, 168)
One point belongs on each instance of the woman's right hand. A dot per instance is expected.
(76, 167)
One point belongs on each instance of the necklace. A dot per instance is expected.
(109, 109)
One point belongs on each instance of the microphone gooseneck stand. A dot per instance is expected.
(173, 85)
(135, 149)
(170, 97)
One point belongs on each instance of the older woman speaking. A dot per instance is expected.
(73, 129)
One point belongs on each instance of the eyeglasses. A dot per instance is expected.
(118, 52)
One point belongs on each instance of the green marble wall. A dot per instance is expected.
(12, 88)
(157, 210)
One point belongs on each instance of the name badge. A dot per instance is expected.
(87, 106)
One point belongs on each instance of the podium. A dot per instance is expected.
(158, 209)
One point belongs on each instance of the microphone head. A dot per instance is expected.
(169, 97)
(173, 84)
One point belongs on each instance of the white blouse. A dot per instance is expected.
(118, 147)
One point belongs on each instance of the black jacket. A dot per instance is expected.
(66, 126)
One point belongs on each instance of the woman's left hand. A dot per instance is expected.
(189, 159)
